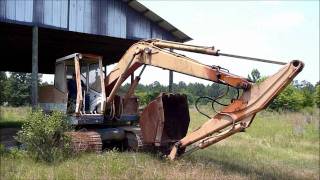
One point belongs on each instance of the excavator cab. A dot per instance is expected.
(78, 88)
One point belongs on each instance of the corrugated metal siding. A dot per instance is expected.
(16, 10)
(55, 13)
(98, 17)
(116, 19)
(103, 17)
(138, 25)
(2, 9)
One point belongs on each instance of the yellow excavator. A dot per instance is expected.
(103, 118)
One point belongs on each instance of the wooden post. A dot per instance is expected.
(170, 78)
(34, 75)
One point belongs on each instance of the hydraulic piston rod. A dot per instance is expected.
(251, 58)
(206, 50)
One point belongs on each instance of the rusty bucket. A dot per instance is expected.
(165, 120)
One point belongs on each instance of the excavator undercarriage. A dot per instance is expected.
(103, 118)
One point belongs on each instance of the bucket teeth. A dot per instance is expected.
(89, 141)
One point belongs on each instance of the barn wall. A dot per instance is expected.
(102, 17)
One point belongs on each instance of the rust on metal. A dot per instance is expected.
(165, 120)
(88, 141)
(49, 94)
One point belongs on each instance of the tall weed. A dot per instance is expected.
(43, 136)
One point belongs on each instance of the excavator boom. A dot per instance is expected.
(147, 53)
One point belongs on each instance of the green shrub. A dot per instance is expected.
(291, 99)
(43, 136)
(146, 97)
(317, 96)
(2, 149)
(16, 153)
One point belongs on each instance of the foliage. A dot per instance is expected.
(15, 89)
(19, 86)
(317, 96)
(43, 136)
(290, 99)
(3, 86)
(146, 97)
(13, 116)
(255, 75)
(276, 146)
(297, 96)
(307, 90)
(2, 149)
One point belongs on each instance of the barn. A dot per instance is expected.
(34, 33)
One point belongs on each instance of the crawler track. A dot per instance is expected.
(85, 141)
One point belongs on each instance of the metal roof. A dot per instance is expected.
(158, 20)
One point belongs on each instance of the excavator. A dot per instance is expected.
(104, 118)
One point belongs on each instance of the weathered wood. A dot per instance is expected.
(34, 76)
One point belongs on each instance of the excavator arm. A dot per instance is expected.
(239, 114)
(235, 117)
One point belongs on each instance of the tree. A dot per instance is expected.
(307, 90)
(290, 99)
(3, 87)
(19, 86)
(317, 96)
(255, 75)
(182, 85)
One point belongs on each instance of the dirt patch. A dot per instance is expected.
(7, 137)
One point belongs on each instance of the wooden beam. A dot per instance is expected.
(34, 76)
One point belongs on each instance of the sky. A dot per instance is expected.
(276, 30)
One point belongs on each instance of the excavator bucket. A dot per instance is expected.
(165, 120)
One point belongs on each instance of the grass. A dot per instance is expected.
(276, 146)
(13, 117)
